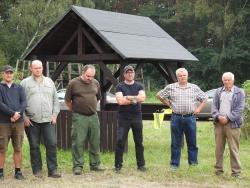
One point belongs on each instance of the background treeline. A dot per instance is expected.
(215, 31)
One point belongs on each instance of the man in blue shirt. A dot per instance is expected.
(12, 106)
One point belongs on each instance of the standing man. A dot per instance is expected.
(227, 112)
(12, 106)
(182, 97)
(82, 95)
(40, 119)
(129, 95)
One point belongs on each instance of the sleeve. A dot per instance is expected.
(164, 93)
(23, 101)
(140, 87)
(98, 95)
(215, 105)
(68, 93)
(4, 108)
(201, 95)
(56, 105)
(118, 88)
(237, 111)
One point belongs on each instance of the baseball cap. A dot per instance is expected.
(8, 68)
(127, 68)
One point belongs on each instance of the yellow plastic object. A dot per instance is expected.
(159, 117)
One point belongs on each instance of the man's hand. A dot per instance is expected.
(16, 116)
(27, 122)
(53, 120)
(223, 120)
(12, 120)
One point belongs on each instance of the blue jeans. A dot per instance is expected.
(180, 124)
(34, 134)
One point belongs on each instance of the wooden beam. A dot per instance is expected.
(73, 36)
(171, 73)
(162, 70)
(107, 73)
(92, 41)
(108, 84)
(79, 40)
(76, 58)
(58, 70)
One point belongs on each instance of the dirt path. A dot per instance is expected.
(93, 180)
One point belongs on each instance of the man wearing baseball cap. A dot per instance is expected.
(12, 106)
(129, 95)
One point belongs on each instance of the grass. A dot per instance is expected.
(157, 156)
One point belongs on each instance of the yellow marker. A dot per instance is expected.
(159, 117)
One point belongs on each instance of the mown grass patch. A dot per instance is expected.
(157, 156)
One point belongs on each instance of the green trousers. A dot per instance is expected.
(85, 128)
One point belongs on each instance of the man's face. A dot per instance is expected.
(37, 69)
(182, 77)
(228, 82)
(8, 76)
(129, 75)
(88, 75)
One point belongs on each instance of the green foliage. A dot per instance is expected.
(217, 32)
(246, 127)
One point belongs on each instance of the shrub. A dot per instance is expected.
(246, 127)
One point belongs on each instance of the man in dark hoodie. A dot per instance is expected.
(12, 106)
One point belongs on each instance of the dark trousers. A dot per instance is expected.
(127, 121)
(186, 125)
(48, 133)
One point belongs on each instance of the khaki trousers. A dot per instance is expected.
(223, 133)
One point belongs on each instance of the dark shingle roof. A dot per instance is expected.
(133, 36)
(130, 36)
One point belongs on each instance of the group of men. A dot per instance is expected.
(33, 106)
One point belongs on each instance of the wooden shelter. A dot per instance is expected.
(91, 36)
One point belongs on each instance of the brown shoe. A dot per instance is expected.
(54, 174)
(218, 172)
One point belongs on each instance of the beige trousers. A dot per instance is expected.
(225, 133)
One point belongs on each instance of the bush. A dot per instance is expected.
(246, 127)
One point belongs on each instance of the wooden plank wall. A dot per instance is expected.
(108, 130)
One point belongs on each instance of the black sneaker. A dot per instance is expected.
(38, 174)
(1, 176)
(141, 168)
(19, 176)
(77, 171)
(117, 170)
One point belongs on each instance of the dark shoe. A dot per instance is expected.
(96, 168)
(218, 172)
(141, 168)
(236, 176)
(38, 174)
(77, 171)
(1, 177)
(54, 174)
(117, 170)
(19, 176)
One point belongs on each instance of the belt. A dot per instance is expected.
(183, 115)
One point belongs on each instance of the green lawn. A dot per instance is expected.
(157, 155)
